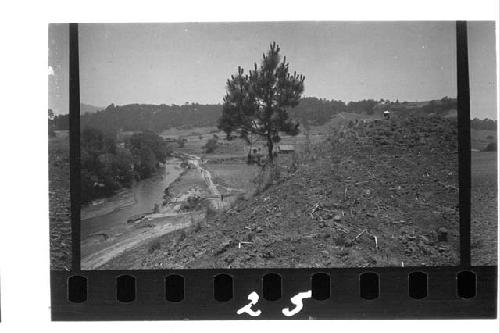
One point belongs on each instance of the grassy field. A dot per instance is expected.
(484, 219)
(481, 138)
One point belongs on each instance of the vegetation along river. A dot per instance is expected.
(109, 213)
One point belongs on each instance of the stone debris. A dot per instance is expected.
(368, 198)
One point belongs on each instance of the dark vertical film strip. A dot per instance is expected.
(74, 151)
(464, 153)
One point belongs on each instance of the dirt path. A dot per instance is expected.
(207, 176)
(133, 239)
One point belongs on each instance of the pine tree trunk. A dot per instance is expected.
(270, 150)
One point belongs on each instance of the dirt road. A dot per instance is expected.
(122, 242)
(216, 200)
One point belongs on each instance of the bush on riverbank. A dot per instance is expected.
(107, 166)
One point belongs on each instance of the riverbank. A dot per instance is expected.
(190, 189)
(140, 199)
(118, 223)
(126, 197)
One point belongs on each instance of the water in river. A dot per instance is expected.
(114, 212)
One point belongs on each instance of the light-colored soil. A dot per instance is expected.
(136, 235)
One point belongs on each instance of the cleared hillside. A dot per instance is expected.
(381, 193)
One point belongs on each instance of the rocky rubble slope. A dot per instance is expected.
(380, 193)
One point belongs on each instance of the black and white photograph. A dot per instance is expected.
(270, 145)
(250, 166)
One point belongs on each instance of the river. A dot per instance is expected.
(104, 215)
(105, 233)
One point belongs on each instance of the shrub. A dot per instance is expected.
(239, 198)
(491, 147)
(341, 240)
(182, 236)
(210, 211)
(197, 226)
(210, 146)
(180, 142)
(154, 246)
(192, 203)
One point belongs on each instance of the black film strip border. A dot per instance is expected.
(345, 301)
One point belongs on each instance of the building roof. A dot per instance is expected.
(286, 147)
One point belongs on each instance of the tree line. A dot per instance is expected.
(314, 111)
(483, 124)
(107, 165)
(138, 117)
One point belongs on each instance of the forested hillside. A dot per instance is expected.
(483, 124)
(311, 110)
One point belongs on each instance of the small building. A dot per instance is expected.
(286, 149)
(387, 114)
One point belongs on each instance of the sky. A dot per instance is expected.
(58, 70)
(350, 61)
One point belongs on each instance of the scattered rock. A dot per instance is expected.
(443, 248)
(425, 239)
(442, 234)
(224, 247)
(268, 255)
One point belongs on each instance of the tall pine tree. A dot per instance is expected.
(257, 102)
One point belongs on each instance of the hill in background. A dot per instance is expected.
(310, 111)
(87, 108)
